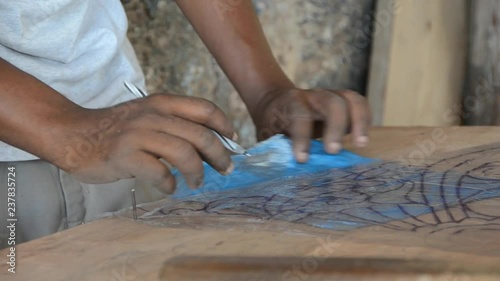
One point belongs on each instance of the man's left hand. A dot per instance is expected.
(307, 114)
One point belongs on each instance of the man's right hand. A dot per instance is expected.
(128, 140)
(108, 144)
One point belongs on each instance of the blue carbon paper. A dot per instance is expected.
(346, 191)
(271, 160)
(354, 197)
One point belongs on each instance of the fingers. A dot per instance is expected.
(335, 124)
(148, 168)
(197, 110)
(201, 138)
(359, 113)
(340, 110)
(175, 151)
(300, 128)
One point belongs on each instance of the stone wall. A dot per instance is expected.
(319, 43)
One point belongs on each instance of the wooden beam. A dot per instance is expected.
(482, 90)
(418, 62)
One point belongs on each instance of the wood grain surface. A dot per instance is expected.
(208, 247)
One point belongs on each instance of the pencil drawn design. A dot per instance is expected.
(387, 194)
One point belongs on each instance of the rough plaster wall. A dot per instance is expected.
(319, 43)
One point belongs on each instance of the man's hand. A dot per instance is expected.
(306, 114)
(127, 141)
(235, 38)
(108, 144)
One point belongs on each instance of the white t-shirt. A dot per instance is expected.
(77, 47)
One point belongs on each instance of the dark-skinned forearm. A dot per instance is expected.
(33, 115)
(236, 40)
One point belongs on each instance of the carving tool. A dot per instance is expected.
(227, 142)
(134, 204)
(232, 145)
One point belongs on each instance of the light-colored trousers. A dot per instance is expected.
(48, 200)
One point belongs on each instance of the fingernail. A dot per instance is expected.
(235, 137)
(334, 147)
(229, 169)
(167, 188)
(197, 183)
(302, 157)
(362, 141)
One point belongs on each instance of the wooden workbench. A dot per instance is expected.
(446, 245)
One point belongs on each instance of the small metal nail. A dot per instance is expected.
(134, 204)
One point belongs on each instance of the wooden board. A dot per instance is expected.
(418, 62)
(207, 247)
(482, 90)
